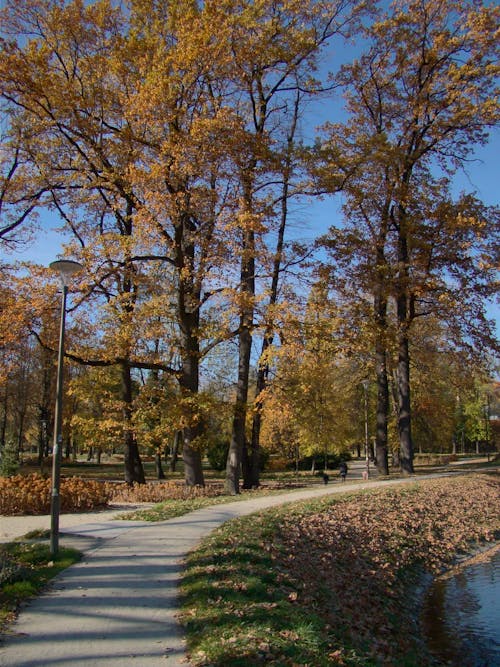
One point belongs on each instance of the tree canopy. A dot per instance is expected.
(168, 141)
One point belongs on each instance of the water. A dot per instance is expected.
(461, 616)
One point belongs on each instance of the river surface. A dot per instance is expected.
(461, 616)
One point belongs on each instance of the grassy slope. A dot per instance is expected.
(331, 581)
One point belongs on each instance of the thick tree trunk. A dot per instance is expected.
(191, 455)
(188, 309)
(134, 472)
(382, 412)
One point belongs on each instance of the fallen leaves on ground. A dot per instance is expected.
(332, 581)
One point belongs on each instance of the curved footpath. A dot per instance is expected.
(118, 605)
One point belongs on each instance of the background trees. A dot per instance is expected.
(167, 139)
(419, 98)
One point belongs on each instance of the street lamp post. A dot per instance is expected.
(367, 456)
(65, 268)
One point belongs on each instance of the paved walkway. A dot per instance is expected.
(118, 605)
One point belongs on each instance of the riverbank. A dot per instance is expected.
(336, 581)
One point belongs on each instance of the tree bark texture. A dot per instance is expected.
(404, 412)
(380, 313)
(188, 305)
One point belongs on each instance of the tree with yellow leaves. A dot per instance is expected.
(421, 96)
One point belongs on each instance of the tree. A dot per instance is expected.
(419, 99)
(311, 406)
(274, 49)
(123, 120)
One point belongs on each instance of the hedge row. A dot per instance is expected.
(30, 494)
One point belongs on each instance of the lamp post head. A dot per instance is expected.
(66, 268)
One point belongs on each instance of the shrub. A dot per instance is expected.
(9, 463)
(157, 492)
(217, 454)
(31, 494)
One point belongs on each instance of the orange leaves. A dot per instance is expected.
(31, 495)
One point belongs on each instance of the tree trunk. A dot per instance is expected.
(188, 310)
(134, 472)
(237, 442)
(251, 458)
(404, 403)
(251, 469)
(239, 419)
(381, 439)
(158, 466)
(404, 308)
(191, 455)
(192, 459)
(175, 450)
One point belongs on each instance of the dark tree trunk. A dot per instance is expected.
(188, 309)
(238, 434)
(192, 459)
(239, 418)
(403, 370)
(191, 455)
(251, 457)
(175, 450)
(158, 466)
(382, 414)
(404, 414)
(134, 472)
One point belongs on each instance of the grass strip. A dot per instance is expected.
(25, 570)
(331, 581)
(174, 507)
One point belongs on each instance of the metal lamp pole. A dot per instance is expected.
(367, 457)
(65, 268)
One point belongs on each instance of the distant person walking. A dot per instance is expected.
(343, 470)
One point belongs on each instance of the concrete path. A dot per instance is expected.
(118, 605)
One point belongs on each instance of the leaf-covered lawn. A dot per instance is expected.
(333, 581)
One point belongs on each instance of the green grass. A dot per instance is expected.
(169, 509)
(25, 570)
(240, 610)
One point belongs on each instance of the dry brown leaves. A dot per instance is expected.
(347, 561)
